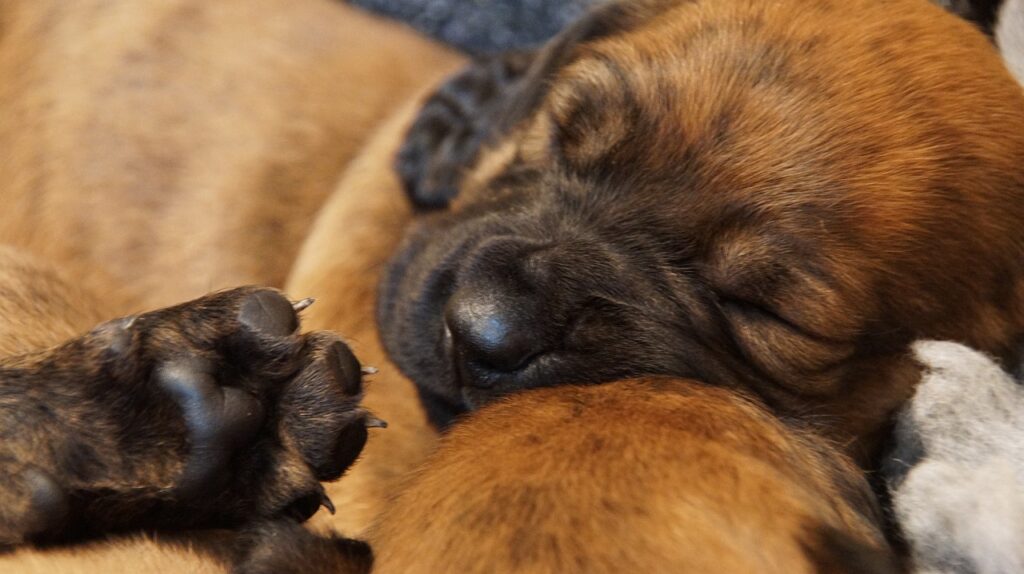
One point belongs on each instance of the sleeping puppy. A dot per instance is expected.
(774, 197)
(702, 291)
(651, 474)
(761, 205)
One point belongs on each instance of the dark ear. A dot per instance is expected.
(832, 551)
(491, 96)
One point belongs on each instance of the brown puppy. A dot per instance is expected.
(769, 196)
(777, 197)
(602, 478)
(342, 258)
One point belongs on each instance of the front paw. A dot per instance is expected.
(452, 127)
(211, 413)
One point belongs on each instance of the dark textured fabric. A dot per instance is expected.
(488, 26)
(483, 26)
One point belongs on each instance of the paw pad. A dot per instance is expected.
(219, 420)
(270, 313)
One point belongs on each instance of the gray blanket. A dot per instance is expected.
(957, 474)
(483, 26)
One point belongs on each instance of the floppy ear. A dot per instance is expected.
(491, 96)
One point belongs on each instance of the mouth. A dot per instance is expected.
(478, 386)
(450, 359)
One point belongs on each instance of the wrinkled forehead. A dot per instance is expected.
(747, 115)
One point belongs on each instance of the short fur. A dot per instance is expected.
(149, 194)
(382, 471)
(749, 494)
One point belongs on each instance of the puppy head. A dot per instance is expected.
(637, 476)
(777, 197)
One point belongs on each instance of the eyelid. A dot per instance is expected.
(750, 305)
(747, 305)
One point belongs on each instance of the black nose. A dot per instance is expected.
(494, 330)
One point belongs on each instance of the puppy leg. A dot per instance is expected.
(452, 127)
(38, 308)
(210, 413)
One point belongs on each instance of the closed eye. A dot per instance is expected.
(783, 351)
(752, 310)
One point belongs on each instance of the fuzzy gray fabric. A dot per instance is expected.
(1010, 36)
(957, 474)
(483, 26)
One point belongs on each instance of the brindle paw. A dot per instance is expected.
(34, 504)
(219, 421)
(320, 410)
(214, 413)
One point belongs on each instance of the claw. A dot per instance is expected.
(375, 423)
(325, 501)
(370, 370)
(302, 305)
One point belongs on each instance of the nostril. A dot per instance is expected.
(494, 332)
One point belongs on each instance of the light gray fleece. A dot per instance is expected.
(957, 474)
(1010, 36)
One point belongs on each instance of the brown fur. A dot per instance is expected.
(164, 149)
(814, 184)
(897, 185)
(401, 541)
(187, 140)
(638, 476)
(470, 525)
(159, 150)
